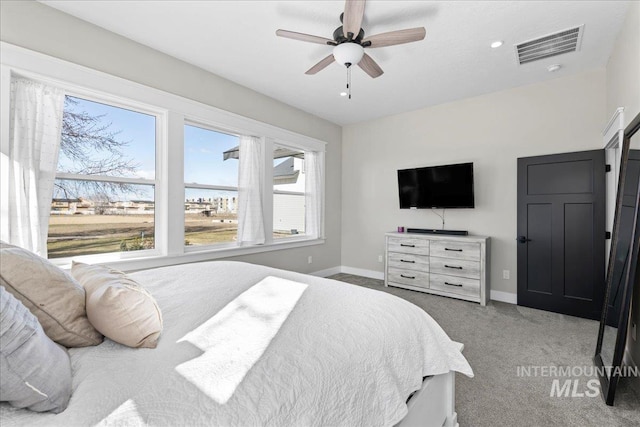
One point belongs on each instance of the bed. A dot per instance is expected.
(250, 345)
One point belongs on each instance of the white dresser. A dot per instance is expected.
(452, 266)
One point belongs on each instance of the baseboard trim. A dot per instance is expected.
(628, 361)
(327, 272)
(507, 297)
(371, 274)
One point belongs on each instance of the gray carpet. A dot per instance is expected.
(501, 337)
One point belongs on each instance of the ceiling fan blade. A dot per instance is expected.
(370, 67)
(396, 37)
(352, 19)
(321, 65)
(304, 37)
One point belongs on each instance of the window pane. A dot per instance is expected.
(210, 157)
(288, 189)
(90, 217)
(210, 217)
(100, 139)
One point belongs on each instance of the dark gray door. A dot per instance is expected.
(561, 233)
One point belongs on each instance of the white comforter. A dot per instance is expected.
(338, 355)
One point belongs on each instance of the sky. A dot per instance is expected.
(203, 148)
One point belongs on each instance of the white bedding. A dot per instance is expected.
(335, 354)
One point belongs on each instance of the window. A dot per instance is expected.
(288, 192)
(211, 186)
(104, 193)
(146, 178)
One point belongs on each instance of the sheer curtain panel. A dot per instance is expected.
(35, 126)
(314, 169)
(250, 187)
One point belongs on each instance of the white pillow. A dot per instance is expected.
(119, 307)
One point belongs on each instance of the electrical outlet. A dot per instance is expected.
(379, 258)
(634, 331)
(506, 274)
(310, 259)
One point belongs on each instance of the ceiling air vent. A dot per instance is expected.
(551, 45)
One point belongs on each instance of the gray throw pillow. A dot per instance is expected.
(35, 372)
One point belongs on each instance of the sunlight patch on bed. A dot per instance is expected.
(127, 411)
(236, 337)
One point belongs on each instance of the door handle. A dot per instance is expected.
(523, 239)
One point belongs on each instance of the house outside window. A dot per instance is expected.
(288, 192)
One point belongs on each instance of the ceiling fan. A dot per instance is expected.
(349, 41)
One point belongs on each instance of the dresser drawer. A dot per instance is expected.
(455, 285)
(408, 245)
(409, 261)
(457, 250)
(455, 267)
(408, 277)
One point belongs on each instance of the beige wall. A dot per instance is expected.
(562, 115)
(43, 29)
(623, 90)
(623, 68)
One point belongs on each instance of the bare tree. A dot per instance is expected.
(92, 148)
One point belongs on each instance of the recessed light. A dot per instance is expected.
(343, 93)
(496, 44)
(554, 67)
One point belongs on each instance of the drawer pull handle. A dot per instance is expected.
(410, 262)
(407, 246)
(453, 284)
(453, 266)
(407, 277)
(455, 250)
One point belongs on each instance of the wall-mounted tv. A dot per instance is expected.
(447, 186)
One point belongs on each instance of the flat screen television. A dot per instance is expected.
(447, 186)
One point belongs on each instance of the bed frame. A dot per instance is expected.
(434, 404)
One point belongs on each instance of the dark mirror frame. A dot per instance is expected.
(608, 383)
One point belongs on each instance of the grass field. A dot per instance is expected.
(73, 235)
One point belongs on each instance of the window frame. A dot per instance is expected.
(172, 113)
(269, 233)
(210, 246)
(159, 213)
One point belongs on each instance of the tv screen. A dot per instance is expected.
(448, 186)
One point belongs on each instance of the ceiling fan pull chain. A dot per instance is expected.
(349, 81)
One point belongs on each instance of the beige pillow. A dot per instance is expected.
(119, 307)
(52, 295)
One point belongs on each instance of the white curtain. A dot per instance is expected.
(35, 126)
(250, 188)
(314, 179)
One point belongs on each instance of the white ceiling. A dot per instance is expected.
(236, 40)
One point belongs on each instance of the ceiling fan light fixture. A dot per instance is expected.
(348, 53)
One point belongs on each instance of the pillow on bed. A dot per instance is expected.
(52, 295)
(118, 306)
(35, 372)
